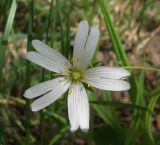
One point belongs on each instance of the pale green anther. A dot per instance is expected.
(75, 59)
(70, 90)
(89, 85)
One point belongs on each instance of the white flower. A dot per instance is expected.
(73, 75)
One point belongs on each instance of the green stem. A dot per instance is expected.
(27, 83)
(142, 68)
(43, 71)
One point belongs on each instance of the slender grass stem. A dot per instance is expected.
(43, 70)
(28, 78)
(148, 117)
(3, 48)
(58, 3)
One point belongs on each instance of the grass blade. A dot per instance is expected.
(117, 45)
(137, 115)
(101, 111)
(119, 105)
(3, 43)
(7, 31)
(148, 116)
(28, 78)
(58, 135)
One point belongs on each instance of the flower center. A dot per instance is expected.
(75, 75)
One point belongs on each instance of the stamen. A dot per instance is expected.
(89, 85)
(55, 74)
(70, 91)
(90, 65)
(66, 69)
(75, 59)
(70, 57)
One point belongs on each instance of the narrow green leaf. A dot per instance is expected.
(56, 116)
(119, 105)
(137, 115)
(110, 110)
(117, 45)
(58, 135)
(58, 3)
(28, 77)
(102, 112)
(148, 116)
(67, 45)
(53, 24)
(10, 19)
(3, 42)
(142, 68)
(43, 77)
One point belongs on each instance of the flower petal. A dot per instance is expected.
(90, 48)
(80, 41)
(50, 97)
(78, 108)
(45, 62)
(72, 110)
(49, 52)
(107, 84)
(108, 72)
(42, 88)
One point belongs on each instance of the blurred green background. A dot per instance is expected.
(130, 36)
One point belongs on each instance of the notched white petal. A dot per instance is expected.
(49, 52)
(90, 47)
(80, 41)
(78, 108)
(50, 97)
(42, 88)
(108, 72)
(45, 62)
(107, 84)
(72, 110)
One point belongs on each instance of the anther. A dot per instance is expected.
(70, 91)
